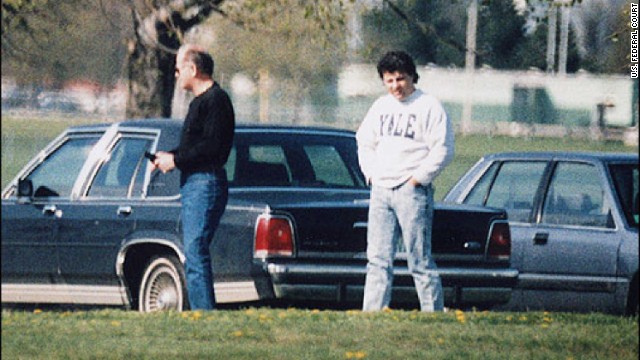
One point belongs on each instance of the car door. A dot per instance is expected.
(570, 259)
(93, 228)
(513, 185)
(30, 230)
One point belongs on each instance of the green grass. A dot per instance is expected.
(265, 333)
(23, 138)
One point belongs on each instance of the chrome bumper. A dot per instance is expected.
(345, 283)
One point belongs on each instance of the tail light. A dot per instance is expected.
(274, 237)
(499, 241)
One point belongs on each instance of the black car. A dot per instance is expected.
(88, 222)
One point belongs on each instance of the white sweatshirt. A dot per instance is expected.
(398, 140)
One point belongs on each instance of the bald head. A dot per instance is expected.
(197, 55)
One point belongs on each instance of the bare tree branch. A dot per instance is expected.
(426, 30)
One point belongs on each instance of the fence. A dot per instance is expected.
(509, 103)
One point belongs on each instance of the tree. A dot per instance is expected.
(604, 35)
(157, 28)
(33, 30)
(51, 42)
(432, 31)
(282, 43)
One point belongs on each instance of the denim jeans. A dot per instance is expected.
(406, 212)
(204, 198)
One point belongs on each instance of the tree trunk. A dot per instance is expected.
(151, 81)
(152, 53)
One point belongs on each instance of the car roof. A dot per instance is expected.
(176, 124)
(565, 155)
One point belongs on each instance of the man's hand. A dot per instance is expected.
(164, 161)
(414, 182)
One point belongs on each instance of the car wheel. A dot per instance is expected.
(163, 286)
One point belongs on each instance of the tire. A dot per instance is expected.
(163, 286)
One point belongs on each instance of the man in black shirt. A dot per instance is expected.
(205, 143)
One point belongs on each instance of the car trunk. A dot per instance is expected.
(337, 228)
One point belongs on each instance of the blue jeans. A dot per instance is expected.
(204, 198)
(406, 212)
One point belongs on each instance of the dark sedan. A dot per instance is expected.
(574, 223)
(88, 222)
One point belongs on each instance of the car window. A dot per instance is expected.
(328, 166)
(625, 180)
(261, 165)
(576, 197)
(122, 174)
(478, 194)
(511, 186)
(294, 160)
(56, 175)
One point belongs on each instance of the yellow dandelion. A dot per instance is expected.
(509, 318)
(522, 318)
(37, 311)
(237, 333)
(116, 323)
(355, 355)
(440, 341)
(387, 309)
(196, 315)
(250, 312)
(282, 315)
(315, 311)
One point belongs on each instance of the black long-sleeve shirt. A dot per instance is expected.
(207, 133)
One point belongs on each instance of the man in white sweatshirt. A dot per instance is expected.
(404, 142)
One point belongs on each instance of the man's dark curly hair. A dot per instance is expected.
(398, 61)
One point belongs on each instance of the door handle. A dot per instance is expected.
(541, 239)
(124, 210)
(51, 210)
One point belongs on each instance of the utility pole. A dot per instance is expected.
(564, 39)
(472, 26)
(551, 38)
(565, 20)
(470, 64)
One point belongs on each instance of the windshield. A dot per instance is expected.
(625, 179)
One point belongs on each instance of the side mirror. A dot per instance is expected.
(25, 191)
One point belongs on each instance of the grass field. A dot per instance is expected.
(265, 333)
(22, 139)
